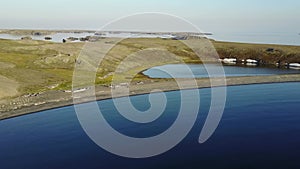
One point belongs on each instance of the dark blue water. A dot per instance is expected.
(199, 71)
(260, 129)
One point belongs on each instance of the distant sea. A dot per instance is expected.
(282, 38)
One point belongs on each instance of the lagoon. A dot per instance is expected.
(200, 71)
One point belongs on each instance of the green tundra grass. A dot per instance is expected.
(35, 66)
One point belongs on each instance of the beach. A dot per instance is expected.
(56, 99)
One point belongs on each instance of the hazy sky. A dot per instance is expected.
(208, 15)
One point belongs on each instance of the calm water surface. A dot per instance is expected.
(200, 71)
(260, 129)
(281, 38)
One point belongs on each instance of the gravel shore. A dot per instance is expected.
(55, 99)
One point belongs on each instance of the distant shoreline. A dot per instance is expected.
(166, 86)
(221, 37)
(49, 32)
(43, 32)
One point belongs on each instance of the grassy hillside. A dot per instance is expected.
(37, 66)
(270, 54)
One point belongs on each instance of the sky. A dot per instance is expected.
(208, 15)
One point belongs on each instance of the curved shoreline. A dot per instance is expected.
(166, 86)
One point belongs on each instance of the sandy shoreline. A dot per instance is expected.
(58, 99)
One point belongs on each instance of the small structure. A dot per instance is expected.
(72, 39)
(37, 34)
(294, 65)
(229, 60)
(26, 38)
(48, 38)
(251, 61)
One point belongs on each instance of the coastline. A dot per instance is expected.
(166, 86)
(55, 61)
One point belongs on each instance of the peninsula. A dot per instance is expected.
(37, 75)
